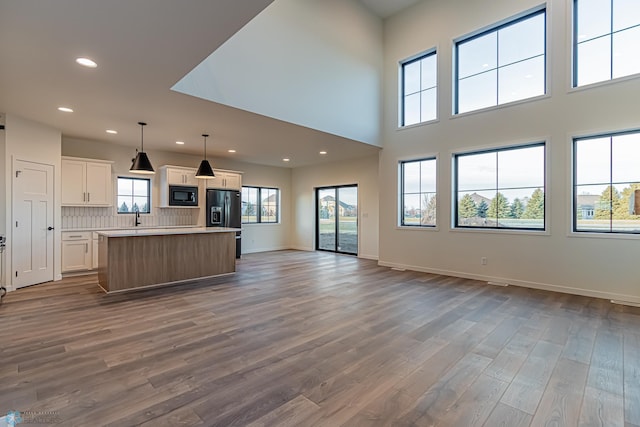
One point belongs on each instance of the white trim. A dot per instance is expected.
(521, 283)
(266, 249)
(371, 257)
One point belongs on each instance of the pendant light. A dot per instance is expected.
(141, 163)
(205, 171)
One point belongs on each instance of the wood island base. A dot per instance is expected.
(146, 258)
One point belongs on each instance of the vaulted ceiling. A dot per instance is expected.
(143, 48)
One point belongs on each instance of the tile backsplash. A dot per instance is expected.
(106, 217)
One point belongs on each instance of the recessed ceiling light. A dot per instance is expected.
(485, 65)
(180, 142)
(286, 160)
(323, 152)
(112, 131)
(232, 151)
(65, 109)
(86, 62)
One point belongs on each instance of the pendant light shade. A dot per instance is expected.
(141, 163)
(205, 171)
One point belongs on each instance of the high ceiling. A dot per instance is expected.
(143, 48)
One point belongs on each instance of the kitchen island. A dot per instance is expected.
(141, 258)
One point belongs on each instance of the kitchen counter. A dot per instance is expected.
(165, 231)
(142, 258)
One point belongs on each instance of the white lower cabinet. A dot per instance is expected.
(76, 251)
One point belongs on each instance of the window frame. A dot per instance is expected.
(401, 186)
(610, 233)
(516, 230)
(402, 97)
(149, 191)
(259, 206)
(574, 53)
(541, 10)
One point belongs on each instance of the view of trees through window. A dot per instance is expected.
(607, 183)
(502, 188)
(418, 192)
(259, 205)
(133, 195)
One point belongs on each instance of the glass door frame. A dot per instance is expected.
(337, 219)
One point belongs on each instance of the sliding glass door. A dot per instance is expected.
(337, 219)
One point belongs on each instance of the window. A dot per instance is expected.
(502, 188)
(606, 34)
(501, 65)
(606, 179)
(418, 195)
(134, 195)
(419, 89)
(260, 205)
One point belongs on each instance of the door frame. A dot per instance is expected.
(317, 218)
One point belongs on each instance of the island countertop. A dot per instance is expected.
(166, 231)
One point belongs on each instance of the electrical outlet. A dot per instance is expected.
(483, 260)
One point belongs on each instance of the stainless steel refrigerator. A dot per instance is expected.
(224, 210)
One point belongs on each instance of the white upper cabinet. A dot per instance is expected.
(175, 175)
(179, 176)
(227, 180)
(86, 182)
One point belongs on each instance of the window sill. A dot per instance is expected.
(416, 125)
(596, 235)
(416, 228)
(501, 231)
(603, 83)
(501, 106)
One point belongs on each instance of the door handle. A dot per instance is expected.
(50, 228)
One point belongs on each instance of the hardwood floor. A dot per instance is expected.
(317, 339)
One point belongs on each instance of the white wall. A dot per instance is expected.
(255, 238)
(364, 173)
(3, 178)
(588, 265)
(33, 142)
(313, 63)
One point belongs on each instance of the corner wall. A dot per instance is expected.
(588, 265)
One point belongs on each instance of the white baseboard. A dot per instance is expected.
(515, 282)
(371, 257)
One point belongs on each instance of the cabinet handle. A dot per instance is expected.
(75, 237)
(88, 197)
(86, 248)
(84, 197)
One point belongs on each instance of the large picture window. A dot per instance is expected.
(501, 189)
(502, 65)
(419, 89)
(134, 195)
(606, 35)
(418, 195)
(260, 205)
(606, 194)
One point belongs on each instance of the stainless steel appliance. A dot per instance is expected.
(224, 210)
(183, 195)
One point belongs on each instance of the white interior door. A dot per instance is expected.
(32, 241)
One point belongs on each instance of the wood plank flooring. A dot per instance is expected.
(317, 339)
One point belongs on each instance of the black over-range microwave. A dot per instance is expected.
(183, 196)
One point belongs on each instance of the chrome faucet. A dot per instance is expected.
(138, 218)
